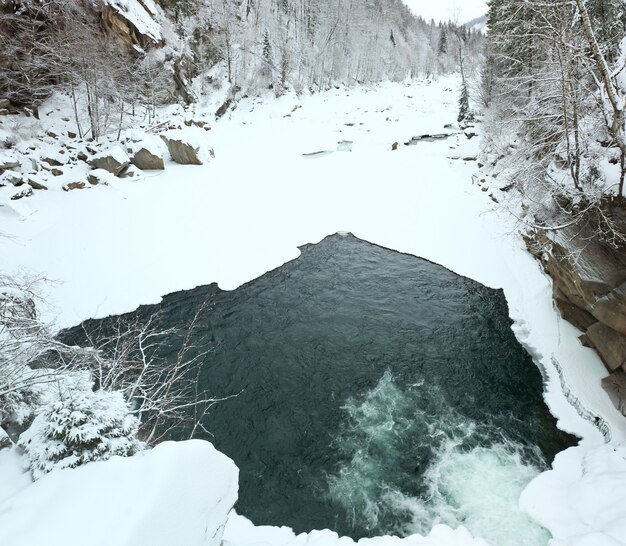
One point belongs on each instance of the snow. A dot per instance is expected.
(248, 211)
(13, 477)
(116, 153)
(576, 502)
(176, 493)
(242, 532)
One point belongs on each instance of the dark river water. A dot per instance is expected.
(378, 393)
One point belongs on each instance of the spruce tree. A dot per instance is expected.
(442, 48)
(605, 17)
(465, 113)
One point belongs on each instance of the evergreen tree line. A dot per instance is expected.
(53, 45)
(553, 82)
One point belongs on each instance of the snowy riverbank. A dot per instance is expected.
(109, 249)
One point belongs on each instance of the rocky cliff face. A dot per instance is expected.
(34, 34)
(589, 289)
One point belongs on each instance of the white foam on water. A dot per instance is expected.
(474, 476)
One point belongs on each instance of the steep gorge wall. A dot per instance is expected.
(589, 289)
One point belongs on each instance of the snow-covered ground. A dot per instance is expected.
(108, 249)
(160, 497)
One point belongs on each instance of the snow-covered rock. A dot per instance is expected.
(184, 147)
(8, 162)
(114, 160)
(100, 176)
(175, 494)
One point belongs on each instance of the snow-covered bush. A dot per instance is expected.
(76, 425)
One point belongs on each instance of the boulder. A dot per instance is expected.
(51, 162)
(14, 178)
(181, 150)
(9, 164)
(611, 345)
(74, 186)
(36, 185)
(148, 160)
(114, 160)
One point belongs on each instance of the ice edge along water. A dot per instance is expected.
(250, 209)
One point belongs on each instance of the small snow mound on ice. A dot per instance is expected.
(583, 501)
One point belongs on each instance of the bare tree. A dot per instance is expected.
(163, 391)
(30, 355)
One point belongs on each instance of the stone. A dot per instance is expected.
(131, 172)
(74, 186)
(36, 185)
(24, 193)
(52, 134)
(611, 345)
(394, 146)
(223, 109)
(615, 387)
(147, 160)
(14, 178)
(52, 162)
(114, 160)
(71, 134)
(56, 172)
(182, 152)
(82, 156)
(93, 179)
(9, 164)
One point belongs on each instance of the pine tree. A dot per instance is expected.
(465, 114)
(267, 68)
(442, 47)
(77, 425)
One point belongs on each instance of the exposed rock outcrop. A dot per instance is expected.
(132, 21)
(589, 289)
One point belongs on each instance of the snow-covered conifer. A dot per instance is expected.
(77, 425)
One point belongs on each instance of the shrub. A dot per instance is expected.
(76, 425)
